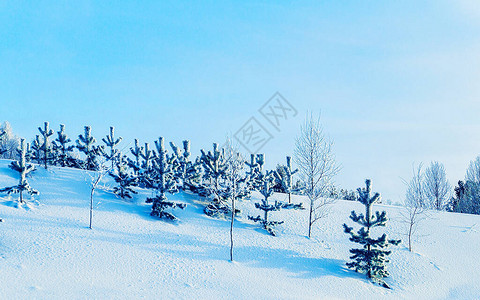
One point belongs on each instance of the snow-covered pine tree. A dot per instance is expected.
(188, 173)
(255, 173)
(372, 257)
(135, 164)
(28, 153)
(23, 168)
(36, 150)
(111, 143)
(214, 167)
(86, 144)
(284, 177)
(268, 181)
(164, 183)
(46, 132)
(146, 176)
(124, 179)
(3, 135)
(62, 149)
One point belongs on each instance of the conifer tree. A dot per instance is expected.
(111, 143)
(62, 149)
(267, 179)
(46, 132)
(135, 164)
(164, 183)
(3, 135)
(86, 144)
(284, 177)
(372, 257)
(36, 149)
(214, 166)
(255, 173)
(28, 153)
(188, 173)
(124, 180)
(146, 172)
(23, 168)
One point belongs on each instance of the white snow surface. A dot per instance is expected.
(47, 250)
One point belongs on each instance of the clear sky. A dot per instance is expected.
(397, 82)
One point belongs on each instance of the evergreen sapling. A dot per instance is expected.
(135, 164)
(111, 143)
(36, 150)
(284, 178)
(3, 135)
(188, 173)
(46, 132)
(23, 168)
(63, 150)
(372, 257)
(267, 190)
(86, 144)
(124, 180)
(164, 183)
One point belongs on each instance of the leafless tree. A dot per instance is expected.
(473, 171)
(9, 143)
(437, 187)
(94, 178)
(234, 181)
(415, 205)
(317, 167)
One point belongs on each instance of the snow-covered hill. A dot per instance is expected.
(48, 252)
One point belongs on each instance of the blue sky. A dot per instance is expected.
(396, 81)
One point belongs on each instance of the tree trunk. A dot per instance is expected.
(310, 219)
(231, 229)
(91, 206)
(289, 198)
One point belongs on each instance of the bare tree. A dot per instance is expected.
(9, 143)
(95, 177)
(234, 181)
(473, 171)
(316, 163)
(437, 187)
(415, 204)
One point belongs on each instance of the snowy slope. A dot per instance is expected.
(48, 252)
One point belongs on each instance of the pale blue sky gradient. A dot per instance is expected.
(397, 82)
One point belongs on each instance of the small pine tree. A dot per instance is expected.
(164, 183)
(36, 150)
(62, 149)
(124, 180)
(146, 172)
(23, 168)
(46, 132)
(86, 144)
(111, 143)
(255, 173)
(372, 257)
(3, 135)
(267, 191)
(135, 164)
(214, 166)
(160, 203)
(284, 178)
(188, 173)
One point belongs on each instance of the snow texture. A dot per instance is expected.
(48, 252)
